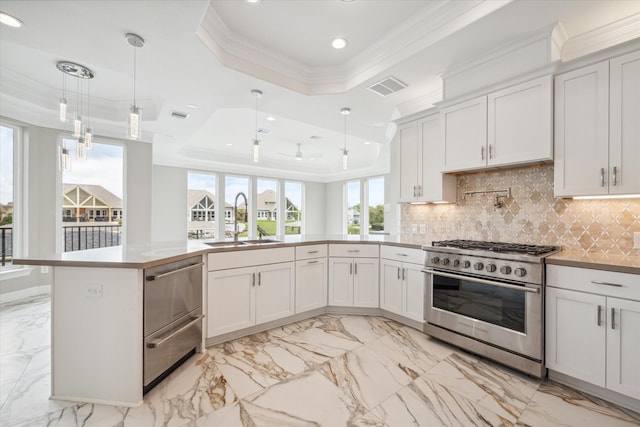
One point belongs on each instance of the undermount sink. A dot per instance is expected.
(260, 241)
(237, 243)
(224, 244)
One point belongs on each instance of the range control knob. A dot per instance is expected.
(444, 261)
(456, 262)
(505, 269)
(520, 272)
(435, 260)
(466, 264)
(478, 266)
(491, 268)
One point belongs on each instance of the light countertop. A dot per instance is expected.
(152, 254)
(617, 263)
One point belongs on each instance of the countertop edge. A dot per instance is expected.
(593, 265)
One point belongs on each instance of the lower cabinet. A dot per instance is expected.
(242, 297)
(353, 282)
(592, 326)
(311, 284)
(402, 281)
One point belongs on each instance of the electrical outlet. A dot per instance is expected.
(44, 269)
(423, 228)
(414, 228)
(636, 240)
(94, 290)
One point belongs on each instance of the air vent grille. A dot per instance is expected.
(179, 115)
(387, 86)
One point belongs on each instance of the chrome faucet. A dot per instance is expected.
(235, 213)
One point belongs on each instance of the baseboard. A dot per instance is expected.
(24, 294)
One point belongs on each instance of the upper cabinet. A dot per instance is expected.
(421, 154)
(508, 127)
(597, 129)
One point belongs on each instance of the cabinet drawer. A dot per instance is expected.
(594, 281)
(398, 253)
(311, 251)
(235, 259)
(353, 250)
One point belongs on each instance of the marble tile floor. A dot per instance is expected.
(331, 370)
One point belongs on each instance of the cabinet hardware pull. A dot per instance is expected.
(490, 151)
(615, 175)
(598, 282)
(403, 272)
(355, 268)
(482, 152)
(259, 279)
(613, 318)
(599, 315)
(312, 262)
(601, 177)
(159, 341)
(253, 279)
(169, 273)
(419, 190)
(350, 268)
(398, 268)
(353, 250)
(401, 254)
(414, 191)
(533, 290)
(312, 252)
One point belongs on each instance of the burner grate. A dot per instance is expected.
(535, 250)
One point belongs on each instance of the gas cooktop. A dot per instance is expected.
(501, 247)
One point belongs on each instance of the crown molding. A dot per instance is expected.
(419, 105)
(601, 38)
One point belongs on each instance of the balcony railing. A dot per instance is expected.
(79, 237)
(6, 244)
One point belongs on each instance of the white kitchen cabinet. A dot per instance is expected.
(353, 281)
(311, 277)
(247, 294)
(592, 324)
(421, 155)
(597, 129)
(508, 127)
(402, 281)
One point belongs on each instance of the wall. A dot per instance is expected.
(532, 215)
(168, 204)
(314, 206)
(137, 199)
(333, 207)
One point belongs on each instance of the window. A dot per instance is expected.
(92, 191)
(8, 137)
(375, 197)
(266, 207)
(201, 205)
(233, 186)
(293, 205)
(353, 207)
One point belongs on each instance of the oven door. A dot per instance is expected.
(503, 314)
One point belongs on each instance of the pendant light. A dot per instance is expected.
(135, 112)
(77, 121)
(88, 131)
(256, 142)
(345, 153)
(62, 106)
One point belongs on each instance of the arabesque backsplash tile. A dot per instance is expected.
(532, 215)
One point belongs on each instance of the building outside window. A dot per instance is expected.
(8, 136)
(293, 201)
(233, 186)
(353, 204)
(266, 207)
(201, 213)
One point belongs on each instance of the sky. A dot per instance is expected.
(6, 165)
(103, 166)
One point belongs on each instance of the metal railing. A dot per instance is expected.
(79, 237)
(6, 244)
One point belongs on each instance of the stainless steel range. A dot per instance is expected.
(487, 298)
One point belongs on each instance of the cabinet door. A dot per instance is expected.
(230, 300)
(391, 286)
(311, 284)
(413, 305)
(365, 282)
(624, 141)
(465, 135)
(582, 131)
(575, 336)
(435, 186)
(409, 166)
(274, 292)
(519, 127)
(341, 281)
(623, 346)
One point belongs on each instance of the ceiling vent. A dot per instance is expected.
(387, 86)
(264, 131)
(179, 115)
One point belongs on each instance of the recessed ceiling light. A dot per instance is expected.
(339, 43)
(271, 118)
(367, 143)
(9, 20)
(192, 106)
(228, 144)
(252, 1)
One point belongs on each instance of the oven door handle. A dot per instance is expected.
(535, 290)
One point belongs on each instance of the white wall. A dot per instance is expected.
(314, 211)
(168, 204)
(137, 199)
(334, 212)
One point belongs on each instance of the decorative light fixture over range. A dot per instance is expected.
(83, 134)
(256, 142)
(345, 153)
(135, 112)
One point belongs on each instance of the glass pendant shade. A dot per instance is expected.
(345, 160)
(135, 116)
(256, 150)
(88, 138)
(81, 153)
(65, 160)
(77, 126)
(63, 110)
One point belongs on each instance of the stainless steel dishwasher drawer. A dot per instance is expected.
(168, 345)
